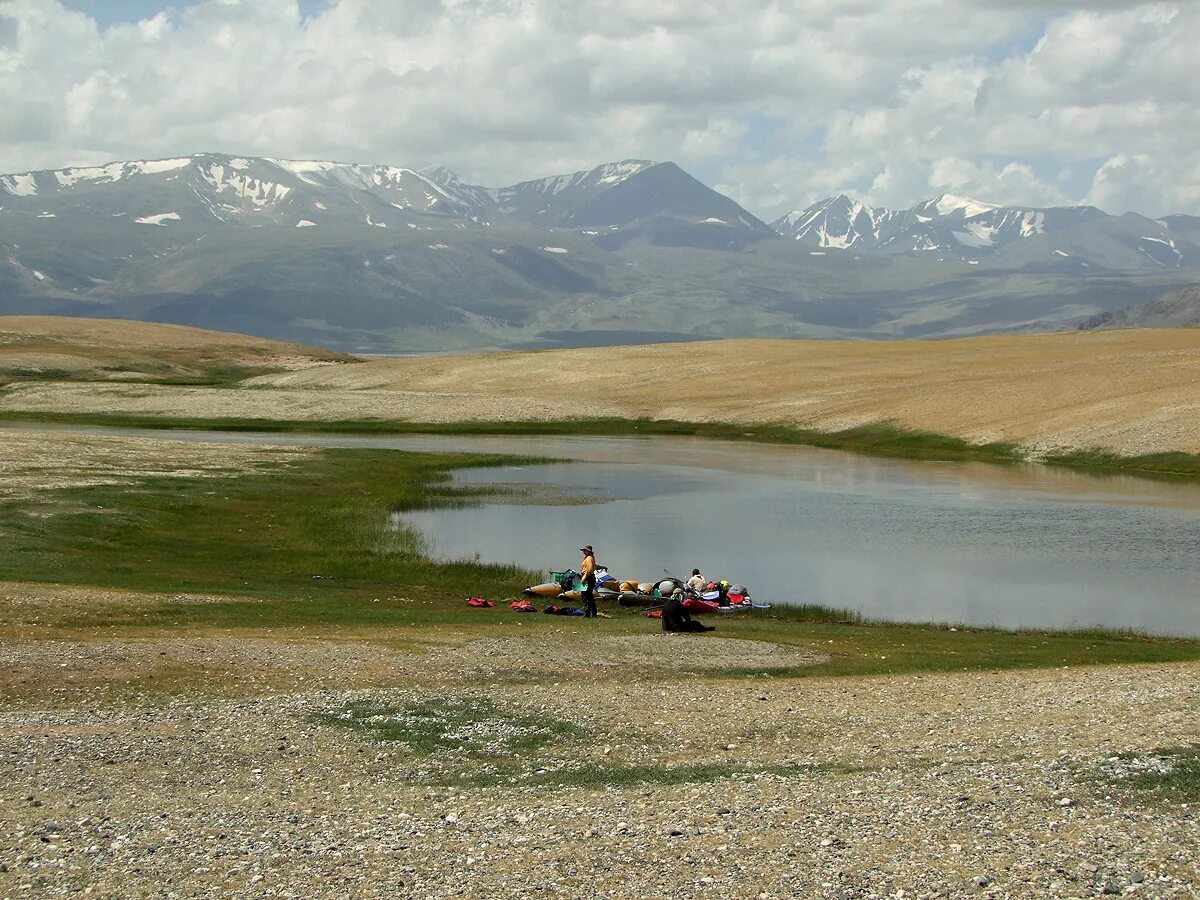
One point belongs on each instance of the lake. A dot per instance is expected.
(1015, 546)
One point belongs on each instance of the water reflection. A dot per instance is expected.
(1018, 546)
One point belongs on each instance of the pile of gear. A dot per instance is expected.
(696, 594)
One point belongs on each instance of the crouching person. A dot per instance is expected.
(675, 616)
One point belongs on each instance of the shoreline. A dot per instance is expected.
(881, 439)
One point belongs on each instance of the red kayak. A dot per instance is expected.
(692, 605)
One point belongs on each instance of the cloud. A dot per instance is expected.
(891, 100)
(1147, 184)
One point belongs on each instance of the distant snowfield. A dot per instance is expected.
(256, 191)
(19, 185)
(714, 220)
(555, 249)
(948, 203)
(158, 219)
(38, 275)
(305, 223)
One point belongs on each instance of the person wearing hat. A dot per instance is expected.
(587, 574)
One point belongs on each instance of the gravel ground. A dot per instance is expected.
(970, 784)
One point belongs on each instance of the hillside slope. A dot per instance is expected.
(1136, 391)
(1131, 391)
(1177, 309)
(52, 347)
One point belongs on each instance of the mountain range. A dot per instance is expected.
(390, 259)
(1058, 239)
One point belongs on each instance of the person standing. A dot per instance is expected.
(587, 574)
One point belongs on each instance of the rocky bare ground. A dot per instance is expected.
(969, 784)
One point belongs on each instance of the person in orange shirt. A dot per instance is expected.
(587, 574)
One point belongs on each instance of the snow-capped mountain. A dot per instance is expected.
(211, 187)
(1072, 238)
(380, 257)
(842, 222)
(617, 195)
(208, 187)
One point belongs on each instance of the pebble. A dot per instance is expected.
(842, 807)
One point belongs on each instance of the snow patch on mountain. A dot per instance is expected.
(306, 223)
(159, 166)
(158, 219)
(615, 173)
(976, 234)
(247, 188)
(951, 203)
(1033, 223)
(19, 185)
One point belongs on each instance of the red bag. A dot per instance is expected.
(654, 614)
(522, 606)
(479, 602)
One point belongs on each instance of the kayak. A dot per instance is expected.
(647, 586)
(632, 598)
(692, 605)
(549, 589)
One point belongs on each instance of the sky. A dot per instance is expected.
(776, 103)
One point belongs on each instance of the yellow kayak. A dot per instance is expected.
(549, 589)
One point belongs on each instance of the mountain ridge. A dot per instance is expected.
(1065, 238)
(383, 258)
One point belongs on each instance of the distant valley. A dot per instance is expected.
(387, 259)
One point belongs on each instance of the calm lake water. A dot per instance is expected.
(1021, 546)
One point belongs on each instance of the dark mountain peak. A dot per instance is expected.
(1176, 309)
(441, 175)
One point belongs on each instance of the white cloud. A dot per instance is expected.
(1147, 184)
(892, 99)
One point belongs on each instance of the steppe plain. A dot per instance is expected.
(1133, 392)
(201, 740)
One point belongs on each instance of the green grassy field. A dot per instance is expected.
(308, 546)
